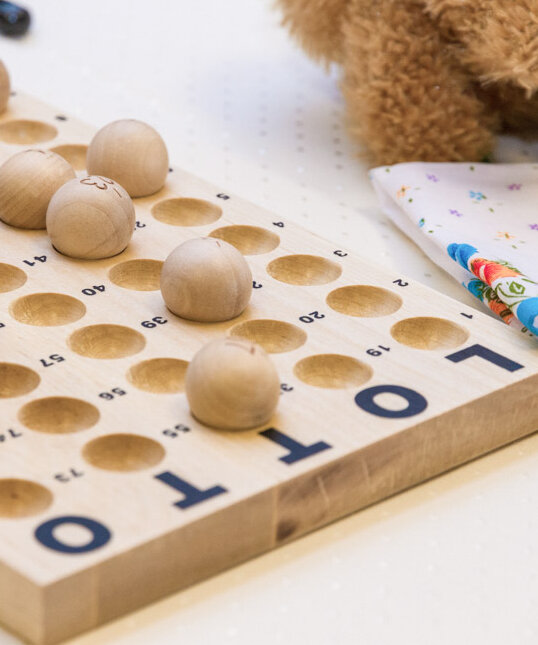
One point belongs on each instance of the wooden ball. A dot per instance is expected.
(132, 153)
(5, 87)
(232, 384)
(28, 180)
(90, 218)
(206, 280)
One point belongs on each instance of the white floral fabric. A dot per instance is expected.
(477, 221)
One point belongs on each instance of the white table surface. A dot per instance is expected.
(454, 560)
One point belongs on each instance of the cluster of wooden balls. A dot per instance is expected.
(230, 384)
(91, 217)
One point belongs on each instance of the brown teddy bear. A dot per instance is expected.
(428, 80)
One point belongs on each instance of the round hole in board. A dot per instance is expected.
(25, 132)
(16, 380)
(11, 277)
(332, 371)
(58, 415)
(186, 211)
(123, 452)
(304, 270)
(159, 375)
(22, 498)
(139, 275)
(106, 341)
(74, 153)
(47, 309)
(429, 333)
(364, 301)
(275, 336)
(248, 240)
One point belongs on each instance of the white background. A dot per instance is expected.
(452, 561)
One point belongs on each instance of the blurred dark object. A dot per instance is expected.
(14, 20)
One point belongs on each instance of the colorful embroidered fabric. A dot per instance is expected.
(504, 289)
(477, 221)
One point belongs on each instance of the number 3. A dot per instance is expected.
(90, 181)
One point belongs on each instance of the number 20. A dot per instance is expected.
(313, 315)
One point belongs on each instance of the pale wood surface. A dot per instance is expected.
(473, 406)
(28, 180)
(90, 218)
(5, 87)
(206, 280)
(232, 384)
(132, 153)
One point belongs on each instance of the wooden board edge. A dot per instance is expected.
(21, 604)
(135, 578)
(390, 466)
(259, 523)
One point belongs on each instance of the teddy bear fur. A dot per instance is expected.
(427, 80)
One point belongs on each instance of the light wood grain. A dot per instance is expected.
(93, 336)
(132, 153)
(206, 280)
(28, 180)
(232, 384)
(90, 218)
(5, 87)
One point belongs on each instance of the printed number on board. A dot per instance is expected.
(113, 393)
(10, 434)
(340, 253)
(313, 315)
(256, 285)
(223, 196)
(51, 360)
(97, 288)
(156, 320)
(400, 282)
(139, 224)
(68, 476)
(37, 258)
(377, 352)
(279, 224)
(284, 387)
(2, 325)
(174, 432)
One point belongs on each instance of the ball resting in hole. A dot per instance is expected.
(90, 218)
(28, 180)
(132, 153)
(206, 280)
(232, 384)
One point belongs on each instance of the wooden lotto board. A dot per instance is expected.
(385, 383)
